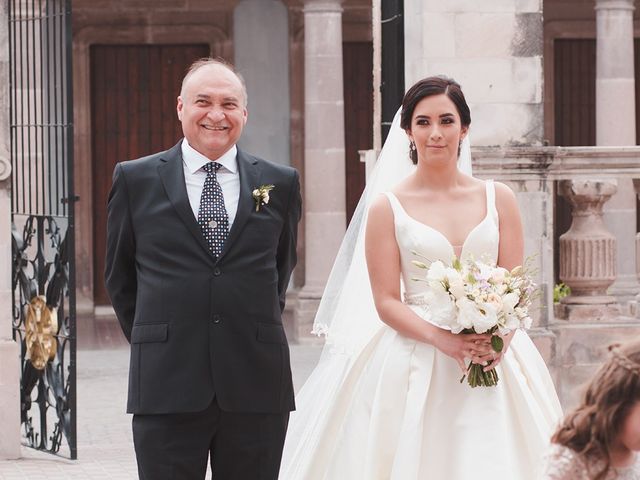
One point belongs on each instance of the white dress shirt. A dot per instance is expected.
(227, 176)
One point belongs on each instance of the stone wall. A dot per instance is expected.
(571, 336)
(500, 72)
(9, 350)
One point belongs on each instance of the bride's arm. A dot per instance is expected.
(383, 263)
(511, 249)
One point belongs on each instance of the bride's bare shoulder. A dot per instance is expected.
(507, 205)
(380, 207)
(505, 197)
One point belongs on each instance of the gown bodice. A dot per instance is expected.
(413, 236)
(393, 408)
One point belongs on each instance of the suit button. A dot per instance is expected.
(216, 318)
(216, 272)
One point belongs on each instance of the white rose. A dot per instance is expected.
(495, 300)
(497, 276)
(511, 322)
(441, 308)
(437, 271)
(437, 286)
(467, 312)
(456, 283)
(487, 320)
(510, 300)
(265, 198)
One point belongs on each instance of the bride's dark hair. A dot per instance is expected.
(428, 87)
(592, 427)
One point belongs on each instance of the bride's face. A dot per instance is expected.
(436, 130)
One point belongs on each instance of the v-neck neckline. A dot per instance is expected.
(438, 232)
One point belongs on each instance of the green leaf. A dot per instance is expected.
(497, 343)
(456, 264)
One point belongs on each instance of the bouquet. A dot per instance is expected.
(476, 297)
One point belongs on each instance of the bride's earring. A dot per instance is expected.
(413, 152)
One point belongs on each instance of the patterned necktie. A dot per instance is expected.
(212, 215)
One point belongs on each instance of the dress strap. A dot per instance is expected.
(491, 199)
(395, 204)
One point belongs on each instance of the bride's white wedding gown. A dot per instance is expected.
(402, 413)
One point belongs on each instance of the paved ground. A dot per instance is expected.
(105, 448)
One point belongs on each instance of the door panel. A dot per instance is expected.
(133, 113)
(358, 115)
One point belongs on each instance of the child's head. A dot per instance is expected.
(608, 417)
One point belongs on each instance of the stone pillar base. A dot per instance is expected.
(544, 341)
(9, 400)
(597, 312)
(306, 307)
(580, 348)
(625, 288)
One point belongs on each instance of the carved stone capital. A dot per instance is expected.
(322, 6)
(588, 249)
(615, 5)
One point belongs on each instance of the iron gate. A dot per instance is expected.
(42, 208)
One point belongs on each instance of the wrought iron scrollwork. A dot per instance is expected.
(42, 214)
(41, 286)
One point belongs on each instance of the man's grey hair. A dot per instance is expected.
(207, 61)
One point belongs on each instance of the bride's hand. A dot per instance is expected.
(463, 345)
(493, 358)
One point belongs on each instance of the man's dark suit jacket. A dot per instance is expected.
(198, 326)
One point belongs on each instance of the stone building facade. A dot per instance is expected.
(552, 91)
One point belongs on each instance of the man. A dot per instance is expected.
(201, 242)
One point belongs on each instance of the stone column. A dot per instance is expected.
(636, 304)
(324, 162)
(9, 351)
(588, 250)
(616, 126)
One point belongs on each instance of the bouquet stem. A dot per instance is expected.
(477, 377)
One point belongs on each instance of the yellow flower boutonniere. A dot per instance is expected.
(261, 195)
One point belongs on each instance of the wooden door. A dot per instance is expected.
(133, 113)
(574, 112)
(358, 115)
(575, 92)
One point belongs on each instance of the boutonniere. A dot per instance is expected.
(261, 195)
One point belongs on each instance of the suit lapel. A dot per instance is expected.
(249, 179)
(171, 174)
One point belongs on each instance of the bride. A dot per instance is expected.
(385, 401)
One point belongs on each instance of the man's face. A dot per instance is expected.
(211, 108)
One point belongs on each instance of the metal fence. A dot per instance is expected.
(41, 122)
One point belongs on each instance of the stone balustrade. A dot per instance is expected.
(588, 251)
(572, 335)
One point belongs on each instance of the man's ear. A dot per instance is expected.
(179, 106)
